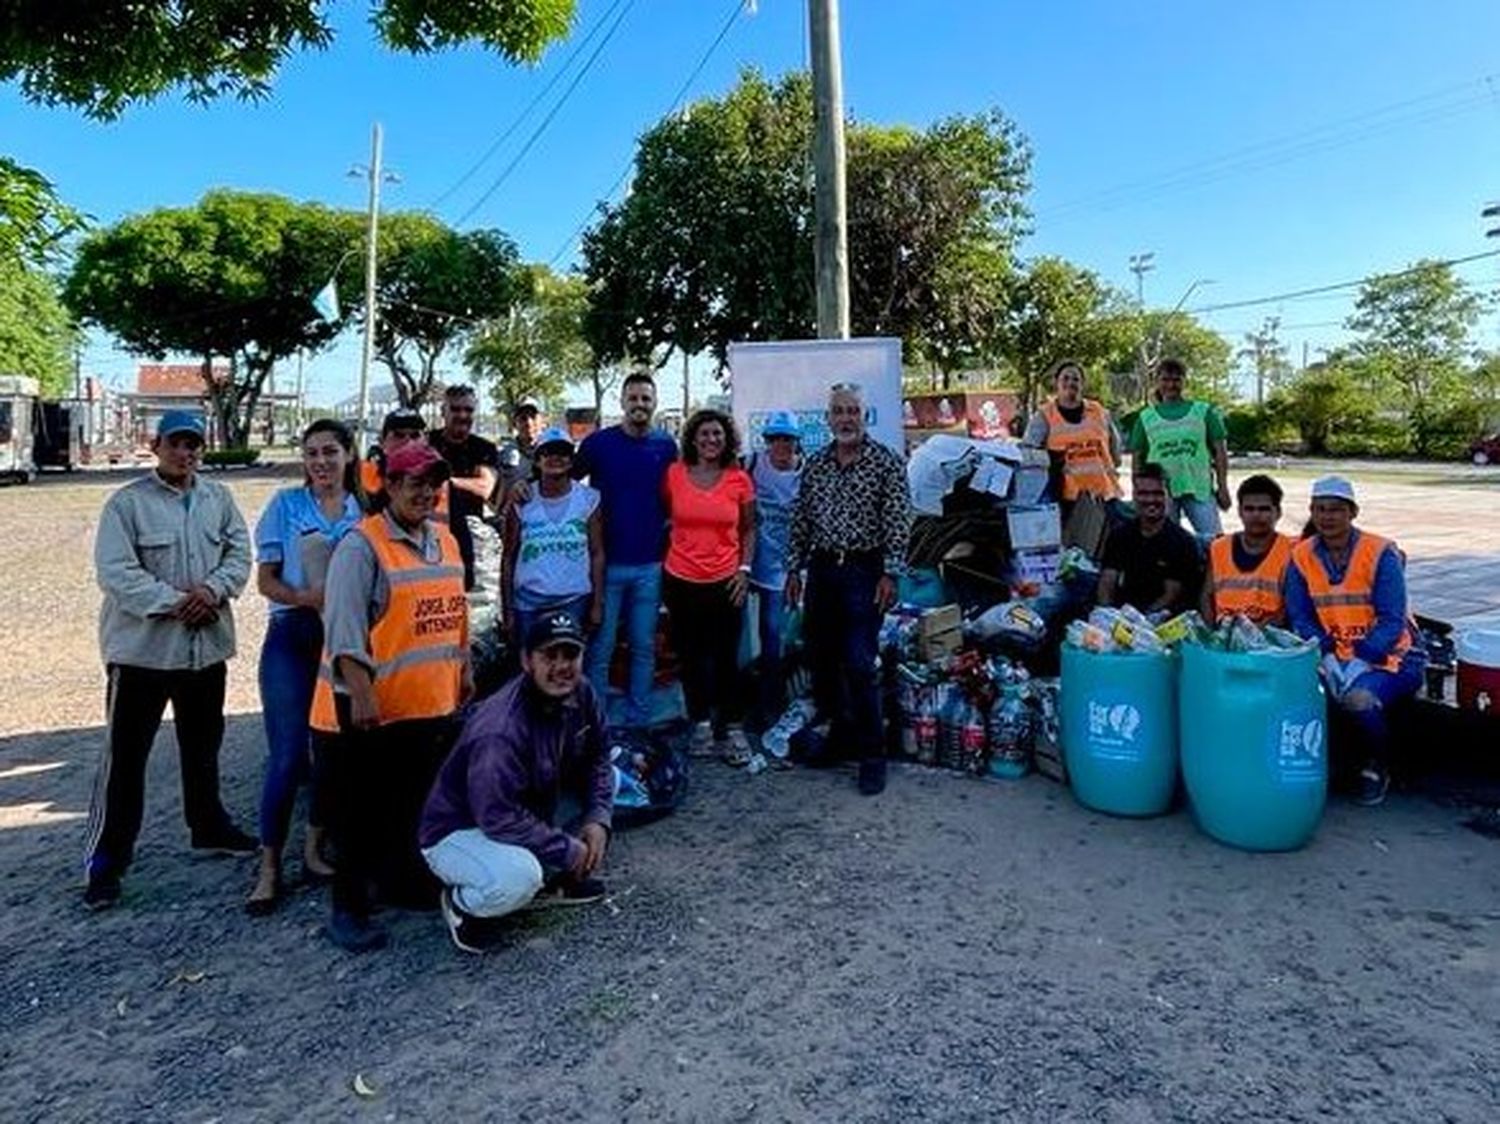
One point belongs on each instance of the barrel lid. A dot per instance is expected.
(1479, 647)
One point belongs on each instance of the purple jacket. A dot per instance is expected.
(520, 756)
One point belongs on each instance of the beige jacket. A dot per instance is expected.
(154, 543)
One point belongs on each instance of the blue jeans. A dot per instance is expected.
(578, 609)
(1365, 703)
(1203, 515)
(633, 592)
(841, 629)
(771, 620)
(288, 670)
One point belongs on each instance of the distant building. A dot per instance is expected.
(161, 387)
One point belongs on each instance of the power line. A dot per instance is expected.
(515, 123)
(735, 8)
(551, 113)
(1423, 109)
(1296, 293)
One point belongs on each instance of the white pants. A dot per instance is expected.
(489, 879)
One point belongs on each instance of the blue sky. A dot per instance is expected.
(1267, 147)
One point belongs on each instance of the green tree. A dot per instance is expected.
(37, 336)
(105, 55)
(34, 222)
(232, 276)
(435, 286)
(715, 241)
(1323, 402)
(537, 349)
(1413, 327)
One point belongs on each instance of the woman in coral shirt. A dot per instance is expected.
(711, 506)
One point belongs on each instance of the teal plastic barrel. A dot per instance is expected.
(1119, 730)
(1254, 745)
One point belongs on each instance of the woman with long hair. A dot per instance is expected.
(293, 543)
(710, 503)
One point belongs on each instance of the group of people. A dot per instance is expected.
(366, 663)
(482, 809)
(1335, 584)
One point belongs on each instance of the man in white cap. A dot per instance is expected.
(1346, 588)
(171, 552)
(777, 474)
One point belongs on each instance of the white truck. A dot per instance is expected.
(36, 434)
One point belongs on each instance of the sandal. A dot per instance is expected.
(735, 749)
(264, 907)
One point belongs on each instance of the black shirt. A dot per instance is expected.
(465, 458)
(1146, 563)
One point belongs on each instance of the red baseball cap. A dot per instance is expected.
(416, 458)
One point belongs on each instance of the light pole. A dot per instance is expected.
(1140, 265)
(1491, 212)
(831, 244)
(373, 173)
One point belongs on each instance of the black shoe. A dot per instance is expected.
(226, 840)
(1372, 786)
(102, 892)
(469, 933)
(872, 776)
(355, 934)
(568, 890)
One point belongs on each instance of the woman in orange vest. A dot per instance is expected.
(1247, 570)
(1080, 436)
(1346, 589)
(401, 427)
(395, 669)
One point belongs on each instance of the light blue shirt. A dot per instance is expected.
(279, 536)
(775, 494)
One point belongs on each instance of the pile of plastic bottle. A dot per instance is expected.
(982, 721)
(1127, 629)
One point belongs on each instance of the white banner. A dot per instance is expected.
(796, 375)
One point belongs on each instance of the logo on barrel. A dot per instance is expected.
(1299, 749)
(1113, 729)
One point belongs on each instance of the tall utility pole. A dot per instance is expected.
(372, 229)
(831, 246)
(1140, 265)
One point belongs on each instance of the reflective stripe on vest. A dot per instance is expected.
(1180, 446)
(419, 645)
(1347, 610)
(1088, 469)
(1258, 594)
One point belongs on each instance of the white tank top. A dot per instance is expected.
(552, 561)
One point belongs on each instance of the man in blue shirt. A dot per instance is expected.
(627, 463)
(1346, 589)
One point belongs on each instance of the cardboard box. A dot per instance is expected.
(939, 645)
(1034, 528)
(944, 618)
(1038, 566)
(1049, 760)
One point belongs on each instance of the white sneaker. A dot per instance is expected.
(735, 748)
(701, 743)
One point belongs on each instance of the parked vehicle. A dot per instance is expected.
(35, 434)
(1486, 450)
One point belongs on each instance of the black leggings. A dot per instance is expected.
(706, 634)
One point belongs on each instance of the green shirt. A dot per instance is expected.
(1173, 411)
(1181, 437)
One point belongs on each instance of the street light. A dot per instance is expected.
(1191, 289)
(1491, 212)
(376, 177)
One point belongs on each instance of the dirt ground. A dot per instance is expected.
(781, 950)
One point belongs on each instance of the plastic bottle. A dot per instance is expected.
(925, 727)
(973, 738)
(950, 754)
(778, 739)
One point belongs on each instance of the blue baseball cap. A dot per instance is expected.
(181, 421)
(781, 423)
(553, 437)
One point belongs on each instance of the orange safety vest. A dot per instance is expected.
(373, 484)
(1347, 610)
(1087, 467)
(420, 644)
(1258, 594)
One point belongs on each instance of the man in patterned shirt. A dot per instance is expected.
(849, 530)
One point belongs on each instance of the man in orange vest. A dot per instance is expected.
(1246, 571)
(395, 670)
(1080, 436)
(1346, 589)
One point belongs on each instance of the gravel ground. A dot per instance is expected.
(781, 950)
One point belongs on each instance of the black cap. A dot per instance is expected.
(554, 628)
(403, 418)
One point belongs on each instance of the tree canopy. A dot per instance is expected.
(232, 276)
(105, 55)
(537, 349)
(37, 337)
(34, 222)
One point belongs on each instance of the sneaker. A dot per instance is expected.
(734, 749)
(1372, 786)
(102, 892)
(355, 934)
(872, 776)
(701, 741)
(226, 840)
(469, 933)
(568, 890)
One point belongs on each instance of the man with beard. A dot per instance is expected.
(523, 803)
(475, 464)
(627, 464)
